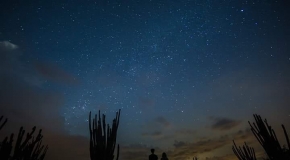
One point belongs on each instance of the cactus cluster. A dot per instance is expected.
(266, 136)
(103, 138)
(26, 148)
(245, 152)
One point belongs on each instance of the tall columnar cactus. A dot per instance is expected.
(1, 125)
(266, 136)
(29, 148)
(245, 152)
(268, 139)
(103, 138)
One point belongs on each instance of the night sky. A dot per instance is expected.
(187, 74)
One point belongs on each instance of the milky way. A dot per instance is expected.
(172, 67)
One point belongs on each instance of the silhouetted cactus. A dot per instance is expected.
(268, 139)
(102, 138)
(245, 152)
(1, 125)
(29, 148)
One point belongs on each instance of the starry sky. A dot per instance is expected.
(187, 75)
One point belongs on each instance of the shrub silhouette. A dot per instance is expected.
(266, 136)
(102, 138)
(29, 148)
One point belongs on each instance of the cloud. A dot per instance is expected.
(161, 120)
(207, 145)
(179, 144)
(184, 150)
(185, 132)
(224, 124)
(243, 135)
(156, 134)
(202, 148)
(6, 45)
(146, 103)
(158, 124)
(9, 56)
(55, 73)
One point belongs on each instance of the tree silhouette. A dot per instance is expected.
(103, 138)
(266, 136)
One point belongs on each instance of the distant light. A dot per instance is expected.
(242, 10)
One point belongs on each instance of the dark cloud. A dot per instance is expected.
(185, 132)
(146, 103)
(55, 73)
(243, 135)
(161, 120)
(178, 144)
(206, 145)
(156, 134)
(185, 149)
(224, 124)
